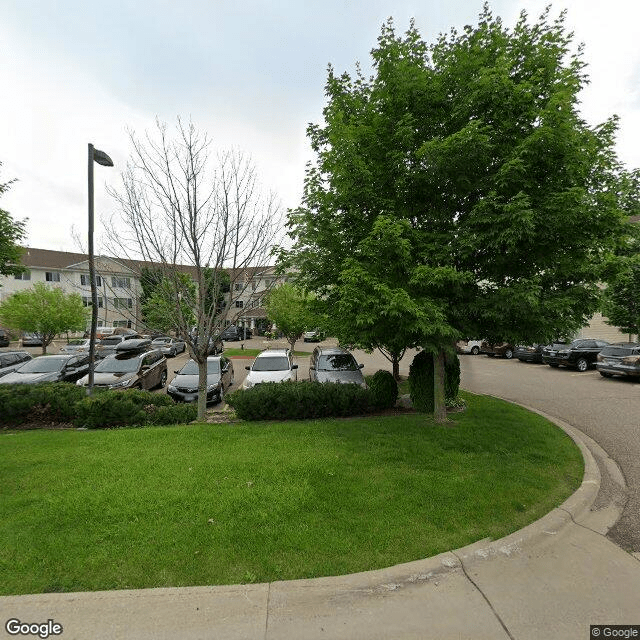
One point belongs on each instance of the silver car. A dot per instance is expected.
(169, 346)
(334, 364)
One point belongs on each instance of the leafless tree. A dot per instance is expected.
(188, 212)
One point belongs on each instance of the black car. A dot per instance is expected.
(622, 359)
(529, 353)
(184, 387)
(11, 360)
(233, 333)
(58, 368)
(5, 339)
(580, 354)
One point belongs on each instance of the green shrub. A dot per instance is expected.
(421, 382)
(112, 408)
(299, 400)
(452, 378)
(383, 388)
(46, 402)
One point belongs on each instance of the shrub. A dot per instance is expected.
(452, 378)
(46, 402)
(118, 408)
(421, 382)
(299, 400)
(383, 388)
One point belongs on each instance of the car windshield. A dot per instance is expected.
(118, 364)
(271, 363)
(162, 340)
(112, 340)
(622, 351)
(339, 362)
(191, 368)
(43, 364)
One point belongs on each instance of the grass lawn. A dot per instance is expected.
(252, 353)
(253, 502)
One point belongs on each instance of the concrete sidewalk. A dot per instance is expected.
(551, 579)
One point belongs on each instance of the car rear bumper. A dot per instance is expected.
(618, 369)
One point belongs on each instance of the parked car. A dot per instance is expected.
(5, 338)
(502, 349)
(529, 353)
(334, 364)
(580, 354)
(168, 345)
(233, 333)
(313, 336)
(272, 365)
(31, 340)
(79, 345)
(131, 367)
(51, 368)
(220, 376)
(11, 360)
(107, 346)
(622, 359)
(469, 346)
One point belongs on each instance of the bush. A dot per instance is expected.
(299, 401)
(421, 382)
(383, 388)
(452, 378)
(112, 408)
(46, 402)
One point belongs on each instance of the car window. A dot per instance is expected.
(271, 363)
(118, 364)
(111, 340)
(5, 361)
(337, 362)
(43, 364)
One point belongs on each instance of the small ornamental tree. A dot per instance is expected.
(290, 309)
(11, 233)
(45, 311)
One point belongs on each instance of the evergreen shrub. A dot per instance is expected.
(46, 402)
(383, 388)
(421, 382)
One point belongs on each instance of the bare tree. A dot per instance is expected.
(189, 215)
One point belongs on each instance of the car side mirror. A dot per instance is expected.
(295, 366)
(248, 368)
(176, 371)
(312, 368)
(225, 369)
(360, 366)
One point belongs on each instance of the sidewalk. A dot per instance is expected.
(551, 579)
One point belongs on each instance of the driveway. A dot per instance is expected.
(606, 409)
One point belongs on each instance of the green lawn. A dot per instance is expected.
(220, 504)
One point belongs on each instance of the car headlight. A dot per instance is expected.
(171, 388)
(247, 384)
(124, 383)
(213, 387)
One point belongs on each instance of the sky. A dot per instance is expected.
(250, 73)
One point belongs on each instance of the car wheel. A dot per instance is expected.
(582, 364)
(604, 374)
(508, 354)
(475, 351)
(163, 380)
(174, 352)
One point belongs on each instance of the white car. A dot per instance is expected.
(469, 346)
(272, 365)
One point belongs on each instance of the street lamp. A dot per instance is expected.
(95, 155)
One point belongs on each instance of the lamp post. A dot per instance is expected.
(95, 155)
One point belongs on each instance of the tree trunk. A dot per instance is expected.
(292, 344)
(202, 390)
(396, 367)
(440, 408)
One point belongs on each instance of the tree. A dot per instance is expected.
(44, 311)
(158, 309)
(621, 298)
(289, 308)
(11, 233)
(467, 162)
(186, 213)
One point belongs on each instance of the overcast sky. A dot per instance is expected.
(251, 73)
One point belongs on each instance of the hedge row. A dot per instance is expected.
(58, 402)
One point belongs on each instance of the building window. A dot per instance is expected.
(239, 304)
(120, 283)
(85, 281)
(237, 286)
(25, 275)
(122, 303)
(52, 276)
(122, 323)
(86, 301)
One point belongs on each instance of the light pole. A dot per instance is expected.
(102, 158)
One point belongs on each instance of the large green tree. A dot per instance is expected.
(11, 233)
(45, 311)
(470, 158)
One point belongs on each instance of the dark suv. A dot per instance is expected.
(580, 354)
(622, 359)
(233, 333)
(5, 340)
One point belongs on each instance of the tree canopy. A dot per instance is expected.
(458, 191)
(11, 233)
(289, 308)
(45, 311)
